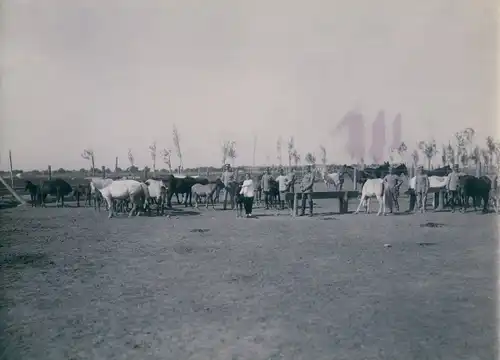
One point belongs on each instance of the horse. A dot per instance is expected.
(441, 172)
(34, 191)
(178, 185)
(372, 188)
(209, 192)
(82, 190)
(56, 187)
(336, 179)
(158, 194)
(476, 188)
(375, 173)
(97, 183)
(136, 192)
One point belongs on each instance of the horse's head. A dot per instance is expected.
(29, 186)
(400, 170)
(219, 185)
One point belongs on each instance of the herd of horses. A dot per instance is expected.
(125, 195)
(480, 190)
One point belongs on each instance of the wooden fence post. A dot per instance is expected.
(116, 164)
(49, 169)
(355, 179)
(145, 173)
(103, 168)
(11, 170)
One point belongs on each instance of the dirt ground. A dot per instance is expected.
(79, 286)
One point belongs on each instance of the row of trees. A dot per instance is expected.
(166, 155)
(464, 151)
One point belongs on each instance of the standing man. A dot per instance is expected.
(422, 186)
(306, 188)
(265, 183)
(391, 185)
(452, 183)
(290, 185)
(282, 186)
(228, 180)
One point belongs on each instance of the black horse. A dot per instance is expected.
(56, 187)
(442, 171)
(34, 191)
(182, 186)
(375, 173)
(476, 188)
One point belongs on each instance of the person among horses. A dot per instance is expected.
(306, 188)
(451, 186)
(422, 186)
(229, 183)
(247, 190)
(391, 183)
(282, 187)
(265, 183)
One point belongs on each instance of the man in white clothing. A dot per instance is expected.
(282, 187)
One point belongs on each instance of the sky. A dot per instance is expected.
(118, 74)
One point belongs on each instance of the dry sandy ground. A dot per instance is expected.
(79, 286)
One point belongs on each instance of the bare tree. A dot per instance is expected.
(152, 151)
(415, 157)
(279, 156)
(401, 150)
(296, 157)
(469, 137)
(166, 155)
(88, 154)
(323, 159)
(291, 149)
(231, 152)
(225, 151)
(310, 158)
(450, 154)
(492, 148)
(177, 143)
(131, 159)
(475, 155)
(429, 149)
(443, 154)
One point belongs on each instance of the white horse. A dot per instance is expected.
(96, 184)
(332, 179)
(135, 191)
(157, 192)
(372, 188)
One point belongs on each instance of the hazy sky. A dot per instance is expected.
(117, 74)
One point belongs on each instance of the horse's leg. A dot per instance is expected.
(381, 204)
(134, 207)
(486, 198)
(359, 206)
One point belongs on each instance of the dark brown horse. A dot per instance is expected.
(83, 191)
(58, 188)
(34, 191)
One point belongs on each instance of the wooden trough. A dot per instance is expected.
(342, 196)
